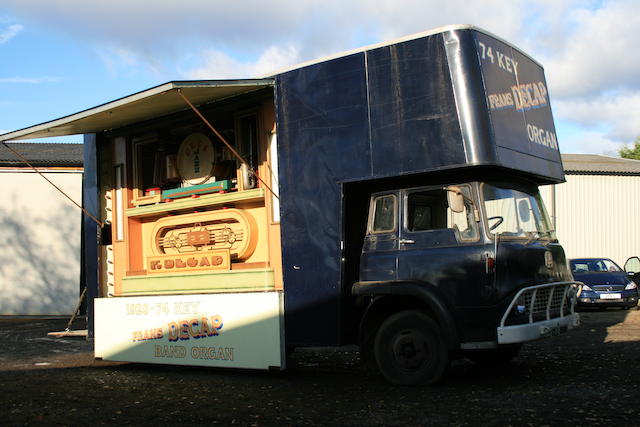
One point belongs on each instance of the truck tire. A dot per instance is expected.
(496, 356)
(409, 349)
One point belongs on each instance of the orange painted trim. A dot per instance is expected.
(249, 265)
(136, 273)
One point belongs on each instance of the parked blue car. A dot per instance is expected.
(605, 284)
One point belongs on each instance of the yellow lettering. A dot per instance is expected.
(228, 353)
(184, 330)
(173, 331)
(216, 321)
(205, 329)
(193, 328)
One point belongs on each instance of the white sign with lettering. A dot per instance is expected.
(240, 330)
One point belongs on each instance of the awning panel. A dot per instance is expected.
(155, 102)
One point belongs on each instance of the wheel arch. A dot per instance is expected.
(391, 297)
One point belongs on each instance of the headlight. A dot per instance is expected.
(583, 287)
(630, 285)
(520, 307)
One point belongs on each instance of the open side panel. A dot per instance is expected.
(186, 215)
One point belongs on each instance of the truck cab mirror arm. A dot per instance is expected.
(456, 199)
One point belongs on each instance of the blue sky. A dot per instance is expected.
(63, 56)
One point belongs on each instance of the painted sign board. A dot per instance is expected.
(240, 330)
(518, 101)
(203, 261)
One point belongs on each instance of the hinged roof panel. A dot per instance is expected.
(151, 103)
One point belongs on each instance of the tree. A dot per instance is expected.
(632, 152)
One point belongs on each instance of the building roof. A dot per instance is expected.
(595, 164)
(42, 154)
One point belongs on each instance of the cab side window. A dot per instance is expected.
(384, 214)
(429, 210)
(426, 210)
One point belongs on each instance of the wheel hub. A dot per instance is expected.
(409, 349)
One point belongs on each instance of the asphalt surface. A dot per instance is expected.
(588, 376)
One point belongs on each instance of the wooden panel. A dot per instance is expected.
(202, 201)
(227, 281)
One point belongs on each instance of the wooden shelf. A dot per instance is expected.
(189, 204)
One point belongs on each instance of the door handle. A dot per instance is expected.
(407, 241)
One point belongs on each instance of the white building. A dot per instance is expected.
(40, 229)
(596, 211)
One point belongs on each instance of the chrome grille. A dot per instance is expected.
(608, 288)
(542, 302)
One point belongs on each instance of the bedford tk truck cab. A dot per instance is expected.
(385, 197)
(469, 268)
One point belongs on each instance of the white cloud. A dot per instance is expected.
(619, 114)
(9, 32)
(589, 48)
(117, 59)
(169, 27)
(599, 53)
(253, 26)
(28, 80)
(592, 69)
(590, 142)
(219, 65)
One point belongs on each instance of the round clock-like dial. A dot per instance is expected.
(196, 158)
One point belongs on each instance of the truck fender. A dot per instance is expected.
(424, 293)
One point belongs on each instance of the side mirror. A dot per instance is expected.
(455, 199)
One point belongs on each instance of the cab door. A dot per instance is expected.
(380, 249)
(439, 247)
(632, 267)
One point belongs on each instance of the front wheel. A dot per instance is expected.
(409, 349)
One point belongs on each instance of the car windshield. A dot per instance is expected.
(593, 266)
(516, 213)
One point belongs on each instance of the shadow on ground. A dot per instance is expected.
(587, 376)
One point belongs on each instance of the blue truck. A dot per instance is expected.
(385, 197)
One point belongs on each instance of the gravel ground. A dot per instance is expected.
(588, 376)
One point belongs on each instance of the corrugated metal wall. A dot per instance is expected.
(597, 215)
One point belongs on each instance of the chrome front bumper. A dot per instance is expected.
(544, 310)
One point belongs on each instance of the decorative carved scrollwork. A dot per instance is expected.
(230, 229)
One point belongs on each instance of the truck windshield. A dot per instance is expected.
(515, 212)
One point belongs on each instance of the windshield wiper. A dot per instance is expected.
(531, 236)
(537, 235)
